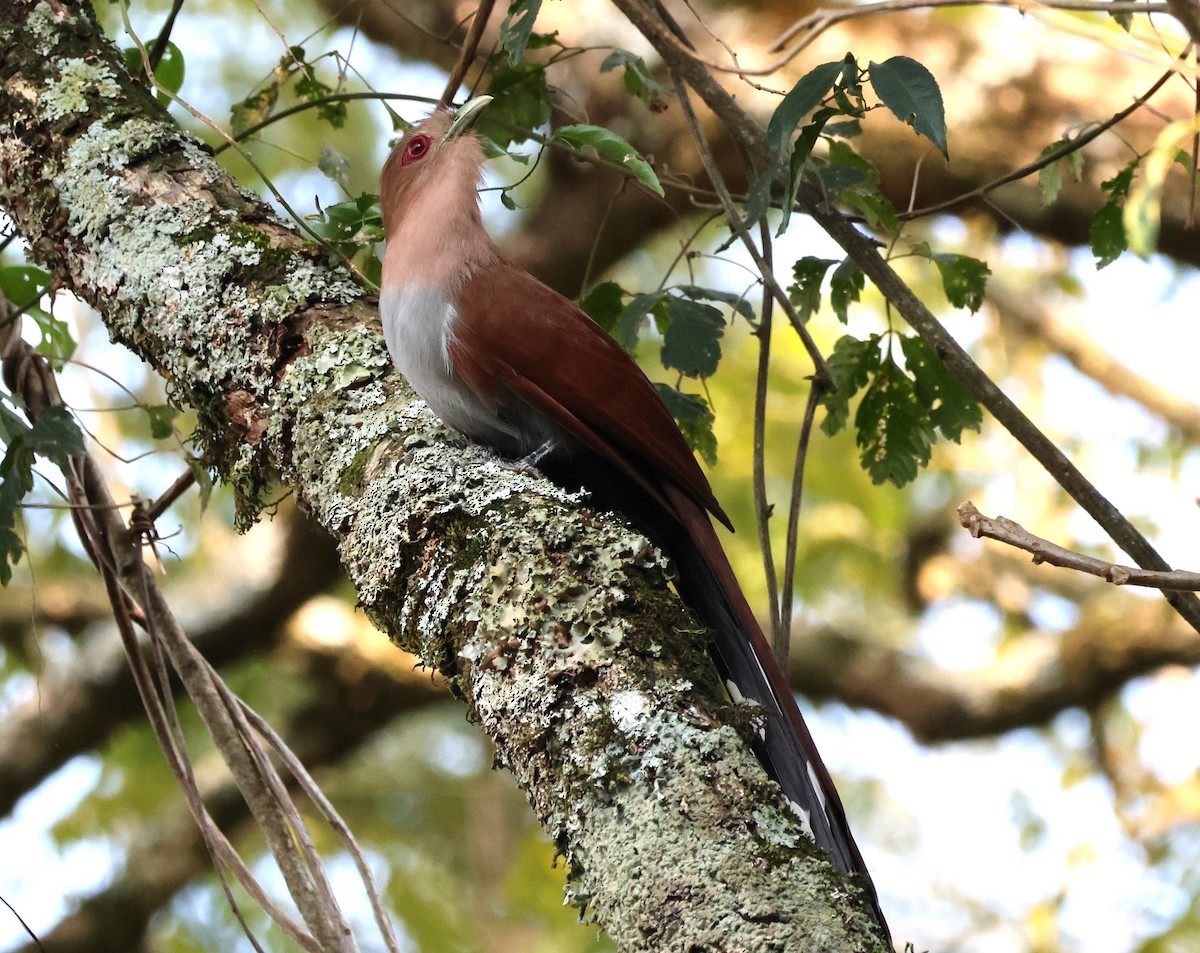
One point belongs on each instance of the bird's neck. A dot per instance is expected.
(436, 239)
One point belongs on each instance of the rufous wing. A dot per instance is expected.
(514, 334)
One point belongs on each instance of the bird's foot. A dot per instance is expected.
(528, 464)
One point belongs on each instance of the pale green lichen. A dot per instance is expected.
(77, 80)
(43, 25)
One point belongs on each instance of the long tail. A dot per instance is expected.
(747, 665)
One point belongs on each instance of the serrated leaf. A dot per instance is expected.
(805, 291)
(692, 337)
(517, 27)
(851, 364)
(630, 321)
(609, 145)
(800, 100)
(737, 302)
(952, 408)
(1107, 234)
(873, 206)
(333, 165)
(845, 287)
(520, 104)
(1118, 186)
(1050, 176)
(910, 91)
(695, 420)
(964, 279)
(604, 304)
(894, 432)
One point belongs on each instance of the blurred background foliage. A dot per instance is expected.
(1016, 745)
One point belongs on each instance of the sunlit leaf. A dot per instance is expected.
(610, 146)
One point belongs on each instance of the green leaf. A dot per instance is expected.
(204, 480)
(851, 364)
(630, 323)
(23, 284)
(805, 291)
(804, 97)
(952, 408)
(310, 89)
(162, 418)
(609, 145)
(55, 436)
(1050, 176)
(909, 90)
(517, 27)
(521, 103)
(638, 80)
(1108, 234)
(253, 110)
(736, 302)
(604, 304)
(894, 432)
(695, 420)
(1123, 19)
(963, 279)
(168, 73)
(845, 287)
(350, 226)
(171, 69)
(692, 337)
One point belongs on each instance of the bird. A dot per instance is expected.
(512, 364)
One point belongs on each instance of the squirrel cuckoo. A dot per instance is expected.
(510, 363)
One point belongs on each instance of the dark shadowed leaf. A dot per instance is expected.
(695, 419)
(909, 90)
(692, 337)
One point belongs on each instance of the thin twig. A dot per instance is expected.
(762, 506)
(793, 525)
(1049, 158)
(1014, 534)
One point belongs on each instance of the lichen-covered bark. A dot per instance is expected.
(556, 627)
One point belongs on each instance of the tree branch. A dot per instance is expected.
(1014, 534)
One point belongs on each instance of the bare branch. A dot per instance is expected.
(1014, 534)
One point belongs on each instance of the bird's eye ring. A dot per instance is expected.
(416, 149)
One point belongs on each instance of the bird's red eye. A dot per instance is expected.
(416, 149)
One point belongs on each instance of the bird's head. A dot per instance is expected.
(434, 170)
